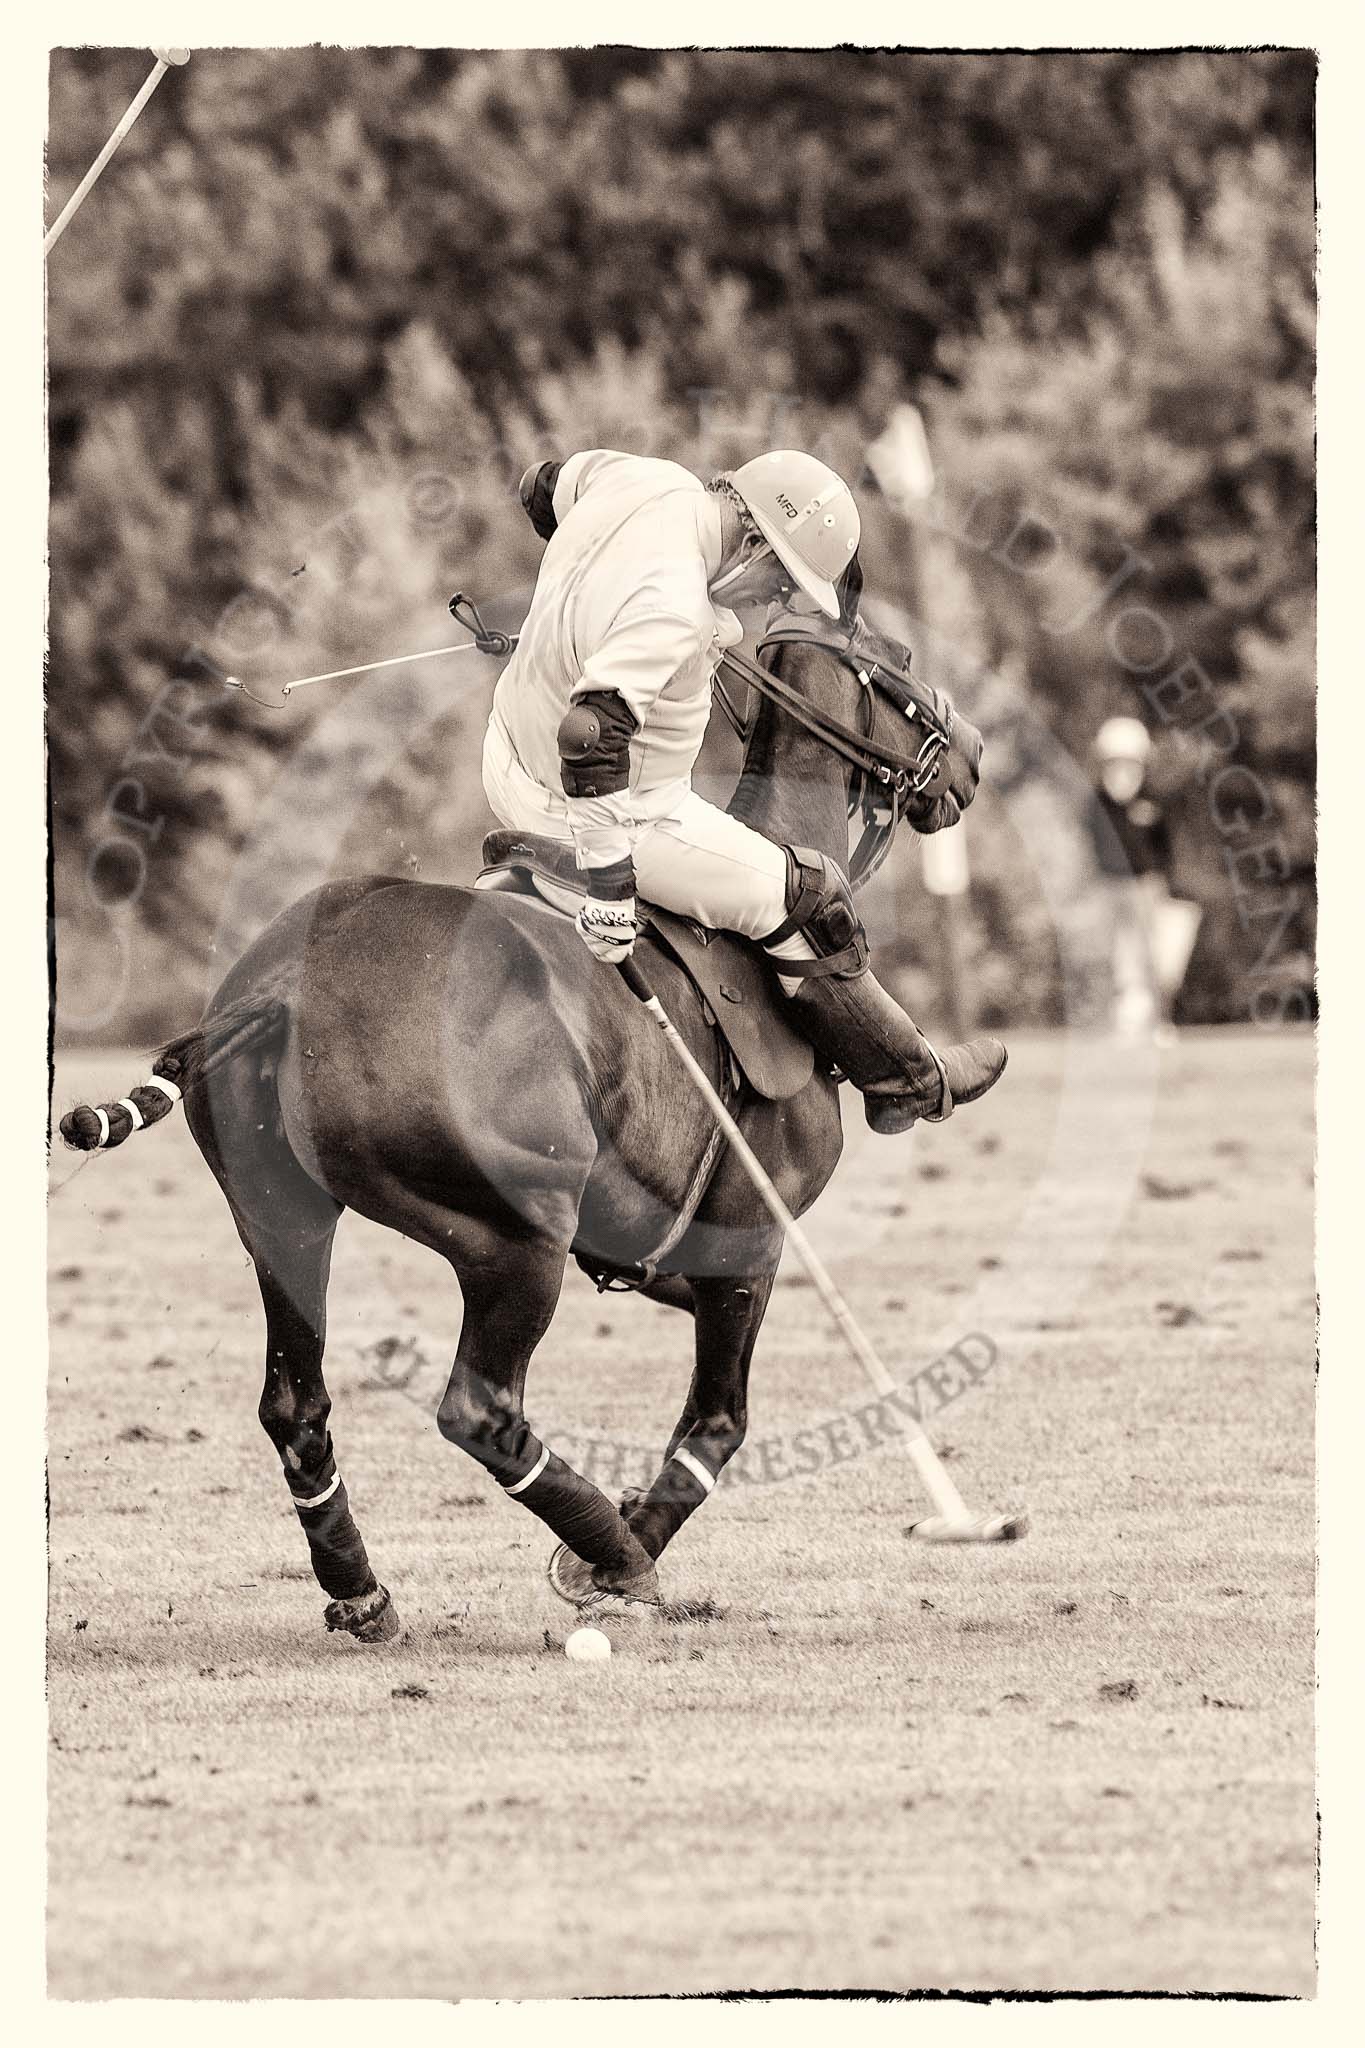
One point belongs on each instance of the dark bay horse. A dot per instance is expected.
(453, 1063)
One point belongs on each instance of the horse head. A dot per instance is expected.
(957, 772)
(859, 728)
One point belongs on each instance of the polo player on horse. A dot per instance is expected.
(600, 714)
(514, 1136)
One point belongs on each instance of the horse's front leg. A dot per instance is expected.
(729, 1312)
(510, 1291)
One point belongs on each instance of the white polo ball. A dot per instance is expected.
(587, 1646)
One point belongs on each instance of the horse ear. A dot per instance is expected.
(850, 589)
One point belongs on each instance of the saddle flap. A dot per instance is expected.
(732, 975)
(742, 991)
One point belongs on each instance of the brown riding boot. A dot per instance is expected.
(865, 1032)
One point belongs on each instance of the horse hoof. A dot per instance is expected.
(641, 1591)
(576, 1581)
(384, 1627)
(569, 1576)
(372, 1618)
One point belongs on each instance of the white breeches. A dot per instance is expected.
(693, 859)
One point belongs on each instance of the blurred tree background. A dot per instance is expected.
(326, 304)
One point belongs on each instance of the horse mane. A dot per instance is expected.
(896, 655)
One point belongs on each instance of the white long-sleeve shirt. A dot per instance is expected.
(621, 603)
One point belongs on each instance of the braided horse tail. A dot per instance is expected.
(179, 1066)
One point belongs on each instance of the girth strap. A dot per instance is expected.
(610, 1279)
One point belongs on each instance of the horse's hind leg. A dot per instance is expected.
(510, 1290)
(295, 1408)
(287, 1224)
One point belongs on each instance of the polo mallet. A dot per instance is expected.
(164, 58)
(335, 675)
(486, 640)
(953, 1521)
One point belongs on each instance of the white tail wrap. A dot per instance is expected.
(168, 1088)
(134, 1112)
(103, 1138)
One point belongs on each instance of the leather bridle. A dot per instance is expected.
(886, 781)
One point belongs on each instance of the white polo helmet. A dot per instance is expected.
(807, 514)
(1123, 739)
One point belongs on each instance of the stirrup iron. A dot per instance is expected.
(947, 1105)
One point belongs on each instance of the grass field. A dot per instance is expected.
(1084, 1761)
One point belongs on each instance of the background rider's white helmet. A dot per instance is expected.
(1123, 739)
(807, 514)
(1123, 748)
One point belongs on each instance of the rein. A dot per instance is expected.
(886, 779)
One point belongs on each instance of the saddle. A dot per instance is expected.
(733, 978)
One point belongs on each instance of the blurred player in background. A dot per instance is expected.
(1150, 933)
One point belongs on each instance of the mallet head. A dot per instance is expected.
(971, 1529)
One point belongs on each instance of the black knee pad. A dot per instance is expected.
(820, 907)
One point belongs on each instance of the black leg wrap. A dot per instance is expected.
(656, 1519)
(340, 1563)
(582, 1517)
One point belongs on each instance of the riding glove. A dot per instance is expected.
(608, 929)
